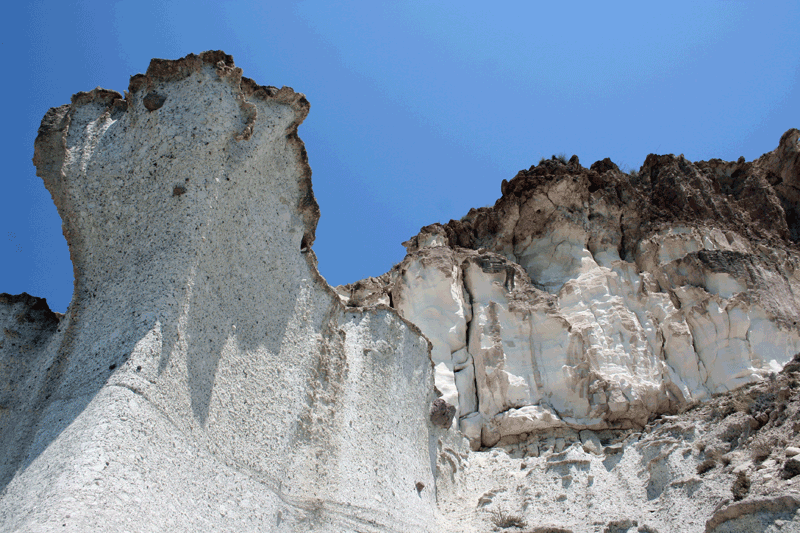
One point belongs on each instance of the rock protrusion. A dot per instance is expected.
(442, 413)
(201, 342)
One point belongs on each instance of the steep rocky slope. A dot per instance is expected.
(594, 299)
(597, 352)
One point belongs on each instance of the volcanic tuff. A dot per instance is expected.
(598, 351)
(205, 377)
(596, 299)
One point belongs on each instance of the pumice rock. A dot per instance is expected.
(598, 351)
(205, 376)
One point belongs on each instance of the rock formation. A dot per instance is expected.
(205, 377)
(594, 299)
(598, 351)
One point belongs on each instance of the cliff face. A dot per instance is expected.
(521, 367)
(205, 376)
(594, 299)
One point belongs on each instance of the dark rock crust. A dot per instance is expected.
(759, 199)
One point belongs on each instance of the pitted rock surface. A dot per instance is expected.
(205, 377)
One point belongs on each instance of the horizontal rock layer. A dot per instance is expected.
(728, 465)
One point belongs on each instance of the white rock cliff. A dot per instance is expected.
(583, 299)
(598, 351)
(205, 376)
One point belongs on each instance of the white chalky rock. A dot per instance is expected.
(573, 308)
(205, 376)
(430, 295)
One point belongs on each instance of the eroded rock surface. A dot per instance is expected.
(597, 352)
(725, 465)
(205, 376)
(595, 299)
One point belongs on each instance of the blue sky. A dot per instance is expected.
(418, 109)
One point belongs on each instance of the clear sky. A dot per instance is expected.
(418, 109)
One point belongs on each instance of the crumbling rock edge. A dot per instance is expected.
(192, 350)
(765, 504)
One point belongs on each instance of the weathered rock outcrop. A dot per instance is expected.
(593, 299)
(729, 465)
(205, 377)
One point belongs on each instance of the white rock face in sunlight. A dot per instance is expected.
(598, 351)
(205, 377)
(580, 301)
(431, 296)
